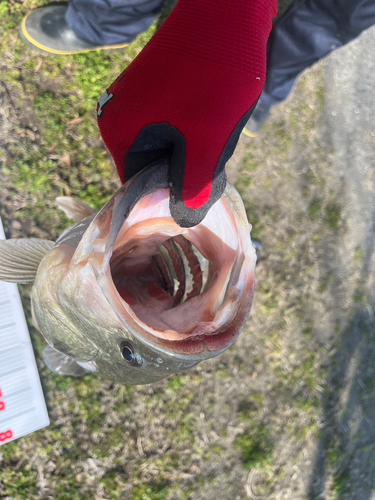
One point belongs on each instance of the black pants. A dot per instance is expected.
(307, 32)
(109, 22)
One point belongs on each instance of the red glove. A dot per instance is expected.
(187, 96)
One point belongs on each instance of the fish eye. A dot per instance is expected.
(128, 354)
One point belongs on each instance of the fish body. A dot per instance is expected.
(130, 295)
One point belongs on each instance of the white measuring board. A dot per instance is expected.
(22, 405)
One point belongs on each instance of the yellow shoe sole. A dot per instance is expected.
(249, 134)
(30, 42)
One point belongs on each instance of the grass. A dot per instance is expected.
(195, 435)
(250, 405)
(340, 483)
(150, 492)
(57, 150)
(21, 483)
(255, 446)
(315, 209)
(333, 216)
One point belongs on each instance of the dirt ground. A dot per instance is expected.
(288, 411)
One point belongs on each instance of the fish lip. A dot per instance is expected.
(205, 344)
(196, 347)
(148, 180)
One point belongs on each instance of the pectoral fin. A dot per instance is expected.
(20, 258)
(62, 364)
(74, 209)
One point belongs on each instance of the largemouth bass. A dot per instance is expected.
(130, 295)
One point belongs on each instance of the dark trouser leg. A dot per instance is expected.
(109, 22)
(307, 32)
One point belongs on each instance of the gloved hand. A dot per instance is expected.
(187, 96)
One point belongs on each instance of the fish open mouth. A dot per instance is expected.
(154, 278)
(181, 284)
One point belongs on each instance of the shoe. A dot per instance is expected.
(47, 31)
(257, 120)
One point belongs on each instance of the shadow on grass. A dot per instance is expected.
(346, 445)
